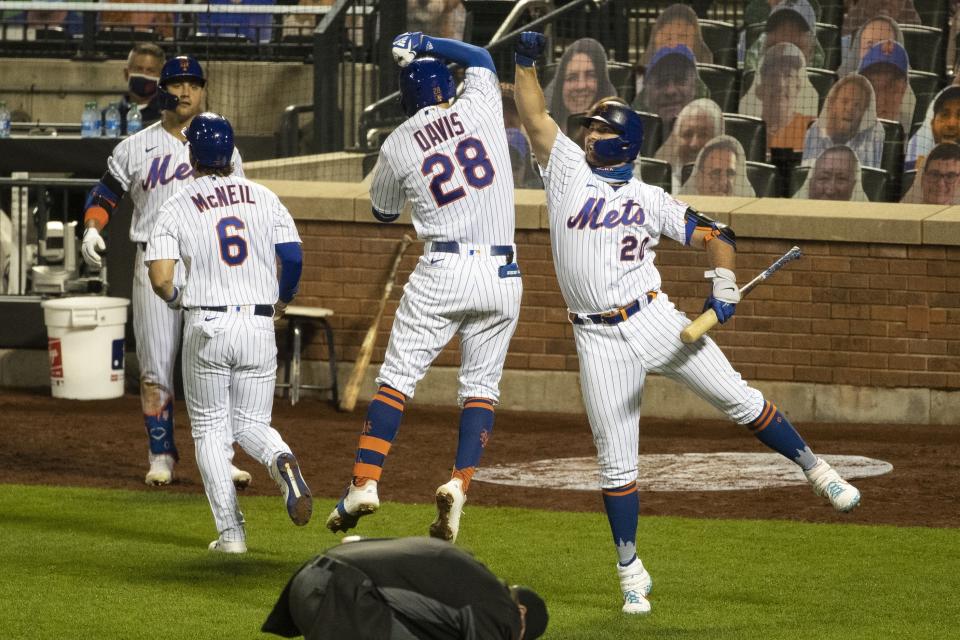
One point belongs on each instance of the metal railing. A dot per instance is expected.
(95, 31)
(44, 256)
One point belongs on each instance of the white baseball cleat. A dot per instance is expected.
(296, 494)
(636, 584)
(358, 501)
(241, 478)
(161, 469)
(827, 483)
(222, 546)
(450, 501)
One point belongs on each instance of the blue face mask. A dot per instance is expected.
(613, 175)
(141, 85)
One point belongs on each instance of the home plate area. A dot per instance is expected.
(728, 471)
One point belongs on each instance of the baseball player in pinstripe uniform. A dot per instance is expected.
(450, 160)
(151, 166)
(604, 227)
(228, 233)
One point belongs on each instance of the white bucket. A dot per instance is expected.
(85, 340)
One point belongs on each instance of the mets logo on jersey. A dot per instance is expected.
(160, 174)
(592, 216)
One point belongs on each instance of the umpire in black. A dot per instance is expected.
(403, 589)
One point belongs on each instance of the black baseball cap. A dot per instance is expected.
(536, 618)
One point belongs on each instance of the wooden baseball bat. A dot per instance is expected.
(349, 398)
(706, 320)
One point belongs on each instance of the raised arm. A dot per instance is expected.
(531, 105)
(408, 45)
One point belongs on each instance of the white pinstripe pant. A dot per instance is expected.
(456, 294)
(614, 362)
(157, 330)
(229, 374)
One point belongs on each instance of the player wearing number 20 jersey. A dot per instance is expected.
(450, 160)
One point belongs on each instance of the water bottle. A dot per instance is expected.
(4, 120)
(90, 121)
(111, 122)
(134, 119)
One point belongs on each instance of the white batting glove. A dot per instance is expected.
(176, 300)
(92, 243)
(725, 287)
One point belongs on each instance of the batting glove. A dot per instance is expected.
(529, 47)
(92, 242)
(175, 301)
(726, 294)
(406, 46)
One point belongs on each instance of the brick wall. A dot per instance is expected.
(847, 313)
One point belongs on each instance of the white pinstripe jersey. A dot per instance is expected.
(603, 238)
(151, 166)
(224, 230)
(454, 166)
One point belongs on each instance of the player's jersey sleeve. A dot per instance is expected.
(284, 229)
(481, 84)
(237, 163)
(565, 158)
(671, 215)
(118, 164)
(164, 243)
(386, 191)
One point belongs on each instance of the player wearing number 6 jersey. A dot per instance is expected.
(604, 228)
(150, 167)
(450, 160)
(228, 233)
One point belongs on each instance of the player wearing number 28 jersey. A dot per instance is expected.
(450, 160)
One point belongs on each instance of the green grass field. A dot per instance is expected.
(79, 563)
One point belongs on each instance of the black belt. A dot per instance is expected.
(258, 310)
(617, 315)
(454, 247)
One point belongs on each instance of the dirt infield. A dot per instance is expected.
(102, 444)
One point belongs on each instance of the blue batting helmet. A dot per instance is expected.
(424, 83)
(623, 120)
(182, 68)
(174, 69)
(211, 140)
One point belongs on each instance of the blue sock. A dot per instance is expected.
(476, 427)
(160, 431)
(623, 508)
(774, 430)
(379, 429)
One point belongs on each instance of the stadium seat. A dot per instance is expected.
(829, 37)
(722, 82)
(652, 134)
(892, 159)
(655, 172)
(925, 86)
(925, 47)
(721, 39)
(933, 13)
(622, 77)
(906, 181)
(874, 181)
(831, 12)
(750, 132)
(765, 179)
(822, 80)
